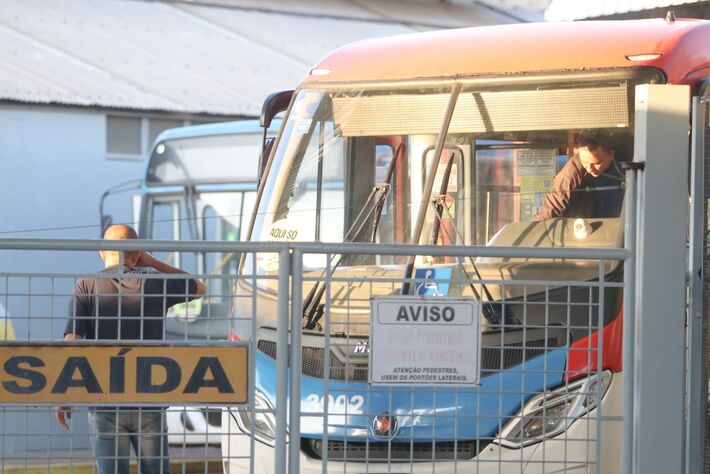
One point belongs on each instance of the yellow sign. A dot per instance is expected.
(77, 372)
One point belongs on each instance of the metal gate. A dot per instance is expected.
(42, 371)
(344, 422)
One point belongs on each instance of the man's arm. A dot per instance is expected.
(62, 414)
(147, 260)
(557, 200)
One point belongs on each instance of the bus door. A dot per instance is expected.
(210, 216)
(168, 218)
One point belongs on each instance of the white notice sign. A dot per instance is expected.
(425, 341)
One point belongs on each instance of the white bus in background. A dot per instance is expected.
(200, 184)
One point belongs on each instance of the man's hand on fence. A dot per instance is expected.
(63, 414)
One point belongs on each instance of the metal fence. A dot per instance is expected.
(533, 410)
(35, 310)
(546, 398)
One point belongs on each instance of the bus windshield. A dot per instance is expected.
(201, 184)
(355, 165)
(204, 159)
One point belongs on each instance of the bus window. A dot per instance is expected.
(448, 197)
(163, 225)
(249, 201)
(386, 228)
(312, 202)
(220, 265)
(170, 220)
(512, 181)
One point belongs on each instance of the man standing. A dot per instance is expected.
(128, 304)
(589, 185)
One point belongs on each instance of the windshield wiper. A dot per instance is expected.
(312, 307)
(491, 311)
(439, 201)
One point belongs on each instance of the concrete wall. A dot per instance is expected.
(54, 169)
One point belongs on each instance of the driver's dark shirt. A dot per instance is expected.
(127, 306)
(576, 193)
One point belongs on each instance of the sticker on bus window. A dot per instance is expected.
(535, 162)
(432, 281)
(281, 231)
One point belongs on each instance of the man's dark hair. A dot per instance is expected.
(622, 142)
(595, 139)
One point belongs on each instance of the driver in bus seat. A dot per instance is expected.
(590, 184)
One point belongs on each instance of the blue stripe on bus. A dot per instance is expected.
(443, 413)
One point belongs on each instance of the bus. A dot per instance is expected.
(200, 183)
(455, 138)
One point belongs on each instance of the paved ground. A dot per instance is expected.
(183, 460)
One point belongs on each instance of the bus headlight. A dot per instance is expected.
(263, 425)
(551, 413)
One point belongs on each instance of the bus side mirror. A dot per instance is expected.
(265, 152)
(274, 104)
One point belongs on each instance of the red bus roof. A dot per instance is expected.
(684, 46)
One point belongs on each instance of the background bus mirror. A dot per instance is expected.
(106, 221)
(276, 103)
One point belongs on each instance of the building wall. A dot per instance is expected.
(54, 169)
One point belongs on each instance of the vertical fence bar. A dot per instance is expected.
(282, 360)
(598, 436)
(695, 385)
(629, 321)
(706, 287)
(254, 346)
(295, 386)
(326, 362)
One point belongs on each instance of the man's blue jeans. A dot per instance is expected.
(113, 432)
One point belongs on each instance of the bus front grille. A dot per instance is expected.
(493, 358)
(391, 451)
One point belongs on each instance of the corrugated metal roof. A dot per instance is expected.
(213, 56)
(566, 10)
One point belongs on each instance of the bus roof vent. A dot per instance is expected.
(670, 16)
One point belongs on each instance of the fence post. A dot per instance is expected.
(295, 386)
(661, 141)
(629, 314)
(282, 360)
(696, 386)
